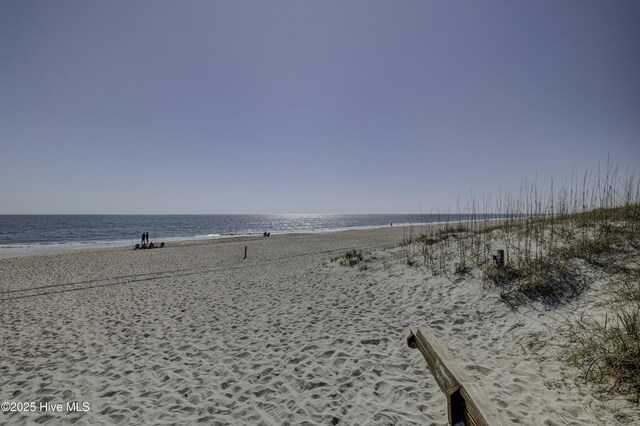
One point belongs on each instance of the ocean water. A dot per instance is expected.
(31, 233)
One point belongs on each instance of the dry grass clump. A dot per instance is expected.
(548, 282)
(554, 276)
(608, 351)
(628, 289)
(350, 258)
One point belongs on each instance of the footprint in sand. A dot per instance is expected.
(479, 368)
(339, 362)
(381, 388)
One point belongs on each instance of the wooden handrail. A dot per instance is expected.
(465, 403)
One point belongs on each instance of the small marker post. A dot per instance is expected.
(498, 258)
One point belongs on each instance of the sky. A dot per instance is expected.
(307, 106)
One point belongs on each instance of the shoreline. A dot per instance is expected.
(8, 250)
(24, 249)
(191, 242)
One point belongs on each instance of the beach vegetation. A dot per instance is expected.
(350, 258)
(548, 237)
(460, 267)
(555, 244)
(607, 351)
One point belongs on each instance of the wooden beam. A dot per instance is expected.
(466, 404)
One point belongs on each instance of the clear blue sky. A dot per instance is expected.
(307, 107)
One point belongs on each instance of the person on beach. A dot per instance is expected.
(142, 239)
(146, 236)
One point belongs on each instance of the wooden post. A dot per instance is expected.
(245, 252)
(465, 402)
(498, 258)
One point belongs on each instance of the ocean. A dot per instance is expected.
(32, 233)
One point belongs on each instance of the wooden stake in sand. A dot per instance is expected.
(498, 258)
(245, 252)
(465, 403)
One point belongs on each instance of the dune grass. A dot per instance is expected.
(607, 350)
(350, 258)
(549, 239)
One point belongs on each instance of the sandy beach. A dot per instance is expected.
(194, 333)
(371, 213)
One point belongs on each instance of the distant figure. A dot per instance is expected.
(142, 239)
(146, 237)
(391, 223)
(265, 234)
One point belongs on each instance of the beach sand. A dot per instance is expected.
(193, 333)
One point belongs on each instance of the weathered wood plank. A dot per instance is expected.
(478, 407)
(465, 402)
(430, 350)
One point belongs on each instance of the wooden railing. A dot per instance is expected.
(465, 404)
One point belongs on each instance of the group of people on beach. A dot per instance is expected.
(145, 244)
